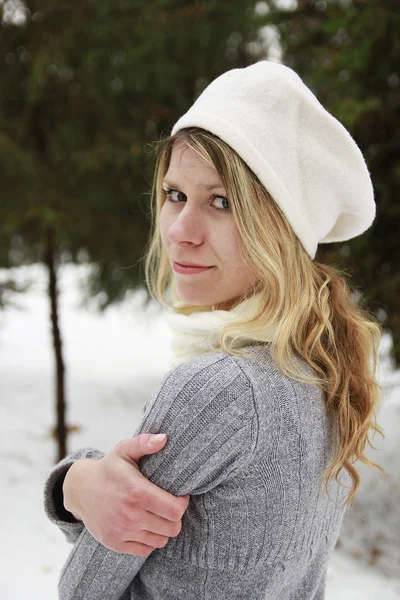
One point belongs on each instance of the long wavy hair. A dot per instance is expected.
(325, 324)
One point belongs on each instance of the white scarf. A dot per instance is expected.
(197, 333)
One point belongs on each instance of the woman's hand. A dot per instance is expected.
(120, 508)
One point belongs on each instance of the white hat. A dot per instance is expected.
(304, 157)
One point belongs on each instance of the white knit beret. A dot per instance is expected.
(304, 156)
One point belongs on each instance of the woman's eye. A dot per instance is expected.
(177, 196)
(174, 195)
(224, 202)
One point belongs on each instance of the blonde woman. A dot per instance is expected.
(272, 396)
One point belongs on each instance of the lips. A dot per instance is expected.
(188, 264)
(188, 269)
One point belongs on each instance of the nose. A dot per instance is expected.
(187, 227)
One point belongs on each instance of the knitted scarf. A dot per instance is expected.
(197, 332)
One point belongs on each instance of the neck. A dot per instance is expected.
(197, 331)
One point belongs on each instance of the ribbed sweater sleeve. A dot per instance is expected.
(206, 407)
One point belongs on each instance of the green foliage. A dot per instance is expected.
(9, 290)
(349, 55)
(84, 89)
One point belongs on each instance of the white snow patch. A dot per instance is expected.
(114, 361)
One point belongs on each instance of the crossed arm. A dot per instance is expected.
(208, 415)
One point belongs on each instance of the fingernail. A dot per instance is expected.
(155, 439)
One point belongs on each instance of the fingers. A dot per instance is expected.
(145, 494)
(158, 526)
(156, 500)
(136, 548)
(147, 542)
(152, 539)
(145, 443)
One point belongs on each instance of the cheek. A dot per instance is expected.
(229, 245)
(232, 256)
(164, 226)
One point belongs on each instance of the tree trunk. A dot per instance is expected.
(49, 259)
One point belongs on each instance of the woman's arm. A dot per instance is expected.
(120, 507)
(53, 493)
(206, 408)
(112, 499)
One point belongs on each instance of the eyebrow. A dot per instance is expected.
(199, 186)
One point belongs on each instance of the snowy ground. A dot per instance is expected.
(114, 361)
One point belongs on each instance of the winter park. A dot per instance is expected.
(114, 363)
(180, 181)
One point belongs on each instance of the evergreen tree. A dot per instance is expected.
(84, 90)
(348, 52)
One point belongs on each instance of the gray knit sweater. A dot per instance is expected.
(249, 445)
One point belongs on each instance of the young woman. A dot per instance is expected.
(273, 394)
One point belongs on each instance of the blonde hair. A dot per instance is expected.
(324, 324)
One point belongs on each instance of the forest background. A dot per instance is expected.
(86, 88)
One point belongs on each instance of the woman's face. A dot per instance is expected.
(197, 227)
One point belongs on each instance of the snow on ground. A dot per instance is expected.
(113, 363)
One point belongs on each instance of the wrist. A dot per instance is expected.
(71, 487)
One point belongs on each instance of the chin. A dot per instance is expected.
(195, 299)
(206, 300)
(199, 301)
